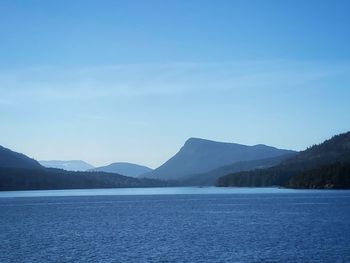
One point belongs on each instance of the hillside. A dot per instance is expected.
(73, 165)
(127, 169)
(10, 158)
(201, 156)
(336, 175)
(210, 178)
(336, 149)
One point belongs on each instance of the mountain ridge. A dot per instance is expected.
(124, 168)
(69, 165)
(9, 158)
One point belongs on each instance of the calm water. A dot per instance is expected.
(175, 225)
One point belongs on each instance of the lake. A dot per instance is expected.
(184, 224)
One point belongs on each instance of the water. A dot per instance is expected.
(149, 191)
(175, 225)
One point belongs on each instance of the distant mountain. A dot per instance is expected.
(210, 178)
(13, 159)
(334, 150)
(201, 156)
(74, 165)
(127, 169)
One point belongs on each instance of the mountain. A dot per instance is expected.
(210, 178)
(74, 165)
(334, 150)
(19, 172)
(127, 169)
(13, 159)
(201, 156)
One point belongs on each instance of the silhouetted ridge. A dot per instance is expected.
(10, 158)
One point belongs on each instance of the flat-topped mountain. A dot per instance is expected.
(200, 156)
(124, 168)
(13, 159)
(73, 165)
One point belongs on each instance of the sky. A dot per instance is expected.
(107, 81)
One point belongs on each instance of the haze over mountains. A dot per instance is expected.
(124, 168)
(200, 156)
(73, 165)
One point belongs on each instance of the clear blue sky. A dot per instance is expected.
(106, 81)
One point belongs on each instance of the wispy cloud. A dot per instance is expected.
(117, 81)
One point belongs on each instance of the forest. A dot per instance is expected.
(318, 160)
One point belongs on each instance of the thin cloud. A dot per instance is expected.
(118, 81)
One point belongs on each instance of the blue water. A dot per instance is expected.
(175, 225)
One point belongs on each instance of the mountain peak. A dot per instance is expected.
(192, 140)
(201, 141)
(124, 168)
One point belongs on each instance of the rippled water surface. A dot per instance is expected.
(175, 225)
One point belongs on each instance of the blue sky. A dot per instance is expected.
(107, 81)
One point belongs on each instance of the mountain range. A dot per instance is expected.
(199, 162)
(124, 168)
(73, 165)
(19, 172)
